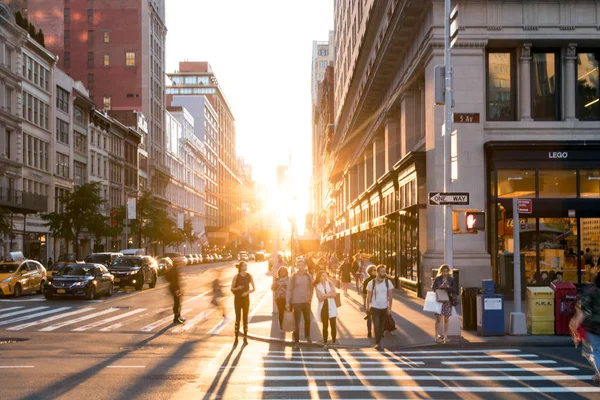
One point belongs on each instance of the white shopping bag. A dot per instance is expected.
(431, 303)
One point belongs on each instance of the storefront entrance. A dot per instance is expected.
(560, 239)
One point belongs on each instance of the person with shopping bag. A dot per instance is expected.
(298, 298)
(379, 302)
(279, 289)
(327, 312)
(444, 288)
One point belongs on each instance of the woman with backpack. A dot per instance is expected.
(327, 313)
(241, 289)
(445, 283)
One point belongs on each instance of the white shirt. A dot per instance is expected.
(379, 299)
(332, 307)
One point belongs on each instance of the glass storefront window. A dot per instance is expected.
(588, 87)
(589, 183)
(590, 245)
(516, 183)
(544, 86)
(558, 250)
(558, 183)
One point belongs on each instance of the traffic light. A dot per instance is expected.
(475, 221)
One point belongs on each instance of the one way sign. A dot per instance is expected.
(448, 199)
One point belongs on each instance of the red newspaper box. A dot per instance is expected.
(565, 300)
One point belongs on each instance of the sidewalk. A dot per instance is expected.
(414, 328)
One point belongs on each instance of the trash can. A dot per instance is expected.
(565, 300)
(468, 299)
(506, 268)
(540, 310)
(490, 311)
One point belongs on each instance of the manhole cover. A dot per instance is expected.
(12, 340)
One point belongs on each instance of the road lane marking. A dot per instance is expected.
(126, 366)
(106, 321)
(402, 352)
(447, 378)
(77, 320)
(26, 317)
(49, 319)
(156, 324)
(197, 297)
(20, 300)
(123, 323)
(499, 362)
(15, 366)
(426, 389)
(428, 369)
(190, 323)
(383, 357)
(10, 308)
(10, 314)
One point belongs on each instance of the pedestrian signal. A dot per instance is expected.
(475, 221)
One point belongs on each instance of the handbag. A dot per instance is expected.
(454, 300)
(442, 295)
(390, 324)
(431, 304)
(338, 299)
(289, 323)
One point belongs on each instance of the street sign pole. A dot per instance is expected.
(517, 317)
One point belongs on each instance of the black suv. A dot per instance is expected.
(135, 271)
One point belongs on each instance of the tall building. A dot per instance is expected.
(533, 132)
(117, 49)
(190, 83)
(323, 57)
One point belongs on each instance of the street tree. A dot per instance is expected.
(6, 225)
(190, 236)
(80, 212)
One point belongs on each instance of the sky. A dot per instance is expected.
(260, 51)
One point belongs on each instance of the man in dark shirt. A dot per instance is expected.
(172, 276)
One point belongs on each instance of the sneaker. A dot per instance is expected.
(377, 346)
(309, 341)
(245, 341)
(439, 339)
(393, 333)
(179, 320)
(325, 346)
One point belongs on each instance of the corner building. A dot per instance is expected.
(530, 70)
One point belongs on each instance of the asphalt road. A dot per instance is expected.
(125, 347)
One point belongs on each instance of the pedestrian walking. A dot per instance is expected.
(241, 287)
(446, 283)
(279, 287)
(217, 299)
(299, 296)
(327, 313)
(372, 273)
(50, 263)
(346, 275)
(172, 276)
(588, 318)
(379, 302)
(333, 264)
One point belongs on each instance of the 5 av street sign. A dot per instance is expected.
(448, 199)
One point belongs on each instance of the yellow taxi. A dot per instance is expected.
(62, 261)
(19, 275)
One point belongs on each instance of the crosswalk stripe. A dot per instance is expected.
(426, 389)
(10, 314)
(387, 362)
(49, 319)
(26, 317)
(447, 378)
(190, 323)
(156, 324)
(10, 308)
(383, 357)
(499, 362)
(123, 323)
(291, 351)
(428, 369)
(106, 321)
(77, 320)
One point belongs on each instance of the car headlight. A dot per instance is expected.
(133, 272)
(78, 284)
(9, 279)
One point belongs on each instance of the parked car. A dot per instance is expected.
(80, 280)
(209, 258)
(261, 256)
(190, 259)
(178, 259)
(227, 257)
(200, 258)
(164, 264)
(19, 275)
(135, 271)
(252, 257)
(133, 252)
(243, 256)
(105, 259)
